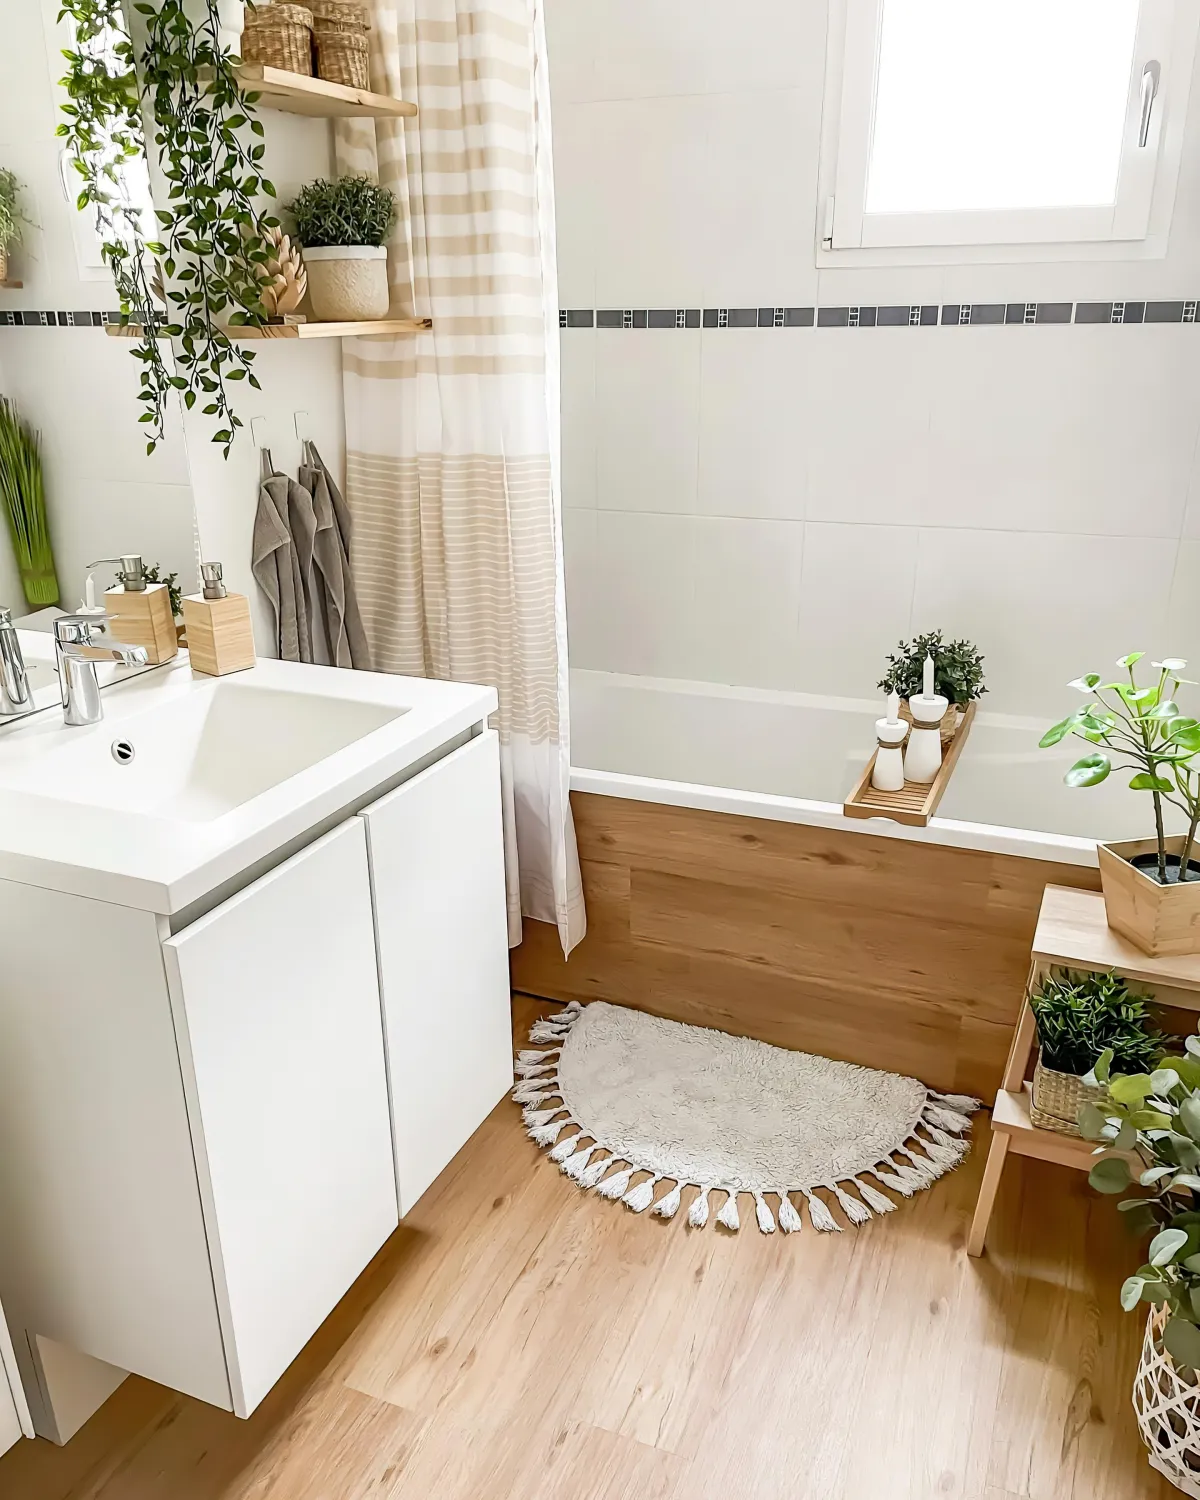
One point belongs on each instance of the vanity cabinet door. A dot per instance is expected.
(276, 1005)
(441, 929)
(14, 1409)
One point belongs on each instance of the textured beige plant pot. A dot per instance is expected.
(1163, 920)
(348, 283)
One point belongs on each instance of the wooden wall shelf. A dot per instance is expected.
(297, 95)
(385, 326)
(11, 286)
(915, 803)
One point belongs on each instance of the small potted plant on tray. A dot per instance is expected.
(342, 227)
(957, 674)
(1080, 1017)
(1151, 886)
(12, 220)
(1152, 1118)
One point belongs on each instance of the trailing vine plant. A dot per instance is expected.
(210, 247)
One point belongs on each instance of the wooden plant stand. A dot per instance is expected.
(1072, 932)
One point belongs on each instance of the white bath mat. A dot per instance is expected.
(726, 1114)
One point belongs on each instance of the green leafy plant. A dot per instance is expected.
(957, 668)
(12, 221)
(1155, 1117)
(348, 211)
(154, 574)
(23, 496)
(210, 244)
(1143, 730)
(1081, 1016)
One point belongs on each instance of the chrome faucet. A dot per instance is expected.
(76, 652)
(16, 697)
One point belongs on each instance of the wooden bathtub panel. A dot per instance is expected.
(873, 950)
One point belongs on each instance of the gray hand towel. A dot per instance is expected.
(302, 525)
(273, 560)
(346, 638)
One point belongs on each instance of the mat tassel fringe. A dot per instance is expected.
(933, 1147)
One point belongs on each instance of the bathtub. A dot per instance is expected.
(795, 756)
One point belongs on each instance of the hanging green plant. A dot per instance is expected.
(210, 239)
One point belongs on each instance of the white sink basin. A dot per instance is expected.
(201, 756)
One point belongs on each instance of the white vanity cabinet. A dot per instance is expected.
(209, 1131)
(15, 1421)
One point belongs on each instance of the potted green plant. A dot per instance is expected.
(1152, 1118)
(23, 497)
(12, 220)
(1079, 1017)
(957, 673)
(1151, 886)
(342, 226)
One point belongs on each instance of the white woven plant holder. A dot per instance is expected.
(619, 1093)
(1168, 1411)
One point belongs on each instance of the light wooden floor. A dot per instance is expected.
(517, 1338)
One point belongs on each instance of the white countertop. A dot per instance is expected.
(163, 864)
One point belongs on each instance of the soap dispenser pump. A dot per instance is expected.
(140, 610)
(220, 638)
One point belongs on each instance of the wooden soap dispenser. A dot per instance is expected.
(140, 610)
(217, 625)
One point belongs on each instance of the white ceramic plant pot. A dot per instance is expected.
(348, 283)
(231, 22)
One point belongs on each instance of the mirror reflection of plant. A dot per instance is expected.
(210, 240)
(12, 220)
(1081, 1015)
(1144, 731)
(1155, 1116)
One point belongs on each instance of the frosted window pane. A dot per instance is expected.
(994, 104)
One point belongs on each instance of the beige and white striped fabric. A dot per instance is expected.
(452, 436)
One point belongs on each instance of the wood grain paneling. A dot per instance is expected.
(897, 954)
(519, 1338)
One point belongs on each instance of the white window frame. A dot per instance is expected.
(1135, 227)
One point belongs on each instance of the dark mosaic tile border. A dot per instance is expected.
(922, 315)
(22, 318)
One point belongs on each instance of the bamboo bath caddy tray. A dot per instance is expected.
(916, 802)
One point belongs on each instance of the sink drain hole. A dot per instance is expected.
(122, 752)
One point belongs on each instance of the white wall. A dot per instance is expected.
(775, 507)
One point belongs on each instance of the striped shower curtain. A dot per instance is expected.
(452, 437)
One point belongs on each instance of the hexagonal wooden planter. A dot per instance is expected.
(1160, 919)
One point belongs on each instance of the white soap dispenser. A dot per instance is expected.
(923, 757)
(887, 774)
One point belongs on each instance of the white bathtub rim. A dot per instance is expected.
(989, 838)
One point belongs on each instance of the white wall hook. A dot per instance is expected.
(258, 432)
(300, 419)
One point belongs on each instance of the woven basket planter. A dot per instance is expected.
(1057, 1098)
(279, 36)
(344, 57)
(1168, 1410)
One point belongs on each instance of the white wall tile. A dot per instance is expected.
(856, 595)
(1088, 430)
(1043, 608)
(747, 599)
(577, 363)
(1182, 635)
(647, 419)
(640, 607)
(653, 200)
(585, 623)
(579, 158)
(754, 426)
(867, 423)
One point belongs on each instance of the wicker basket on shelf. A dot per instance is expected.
(341, 15)
(1057, 1099)
(279, 36)
(344, 57)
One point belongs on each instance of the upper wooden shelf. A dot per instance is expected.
(1073, 931)
(297, 95)
(391, 326)
(11, 286)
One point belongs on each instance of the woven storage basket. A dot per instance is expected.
(341, 15)
(279, 36)
(1168, 1410)
(344, 57)
(1057, 1098)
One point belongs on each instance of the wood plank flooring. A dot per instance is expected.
(517, 1337)
(897, 954)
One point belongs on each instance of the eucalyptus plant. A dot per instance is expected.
(1143, 730)
(210, 244)
(1154, 1117)
(12, 220)
(957, 668)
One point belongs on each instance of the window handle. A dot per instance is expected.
(1151, 74)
